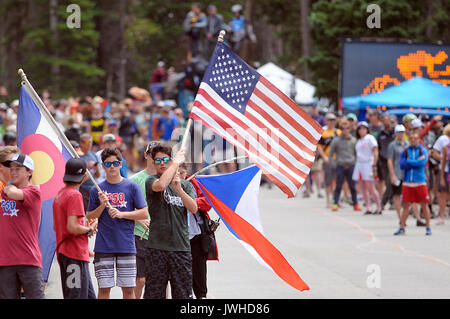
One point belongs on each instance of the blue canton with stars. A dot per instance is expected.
(230, 77)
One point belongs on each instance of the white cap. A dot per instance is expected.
(21, 159)
(400, 128)
(416, 123)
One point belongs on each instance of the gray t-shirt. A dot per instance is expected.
(394, 152)
(344, 149)
(169, 228)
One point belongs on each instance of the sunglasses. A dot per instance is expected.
(115, 164)
(160, 160)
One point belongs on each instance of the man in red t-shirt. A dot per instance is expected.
(20, 253)
(72, 232)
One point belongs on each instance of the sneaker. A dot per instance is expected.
(428, 232)
(378, 212)
(368, 212)
(400, 231)
(420, 223)
(356, 207)
(335, 207)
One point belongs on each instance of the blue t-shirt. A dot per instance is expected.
(116, 235)
(168, 125)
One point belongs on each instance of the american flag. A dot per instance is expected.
(248, 111)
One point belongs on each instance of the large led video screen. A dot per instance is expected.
(369, 67)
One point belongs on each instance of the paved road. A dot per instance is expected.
(338, 254)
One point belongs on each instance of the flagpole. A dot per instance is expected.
(215, 164)
(41, 105)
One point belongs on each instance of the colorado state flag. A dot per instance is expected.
(235, 199)
(36, 138)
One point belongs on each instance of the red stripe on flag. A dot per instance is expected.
(252, 149)
(277, 125)
(268, 252)
(254, 134)
(283, 143)
(292, 104)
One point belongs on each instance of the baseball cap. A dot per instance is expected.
(352, 116)
(408, 117)
(75, 170)
(416, 123)
(363, 123)
(330, 116)
(399, 128)
(21, 159)
(108, 138)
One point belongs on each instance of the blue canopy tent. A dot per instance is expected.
(415, 93)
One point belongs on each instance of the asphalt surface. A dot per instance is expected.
(339, 255)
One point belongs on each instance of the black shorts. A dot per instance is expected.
(75, 278)
(397, 190)
(163, 265)
(140, 255)
(382, 169)
(12, 278)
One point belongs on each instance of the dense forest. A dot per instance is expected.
(119, 42)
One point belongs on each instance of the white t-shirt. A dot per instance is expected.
(441, 142)
(364, 149)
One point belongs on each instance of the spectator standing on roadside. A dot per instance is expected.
(20, 213)
(440, 148)
(202, 250)
(329, 169)
(365, 167)
(414, 187)
(395, 149)
(169, 253)
(385, 137)
(92, 165)
(141, 227)
(344, 148)
(72, 232)
(353, 121)
(6, 153)
(375, 124)
(114, 243)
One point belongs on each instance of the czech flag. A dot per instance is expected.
(37, 139)
(235, 199)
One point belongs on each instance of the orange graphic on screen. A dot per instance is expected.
(420, 63)
(379, 84)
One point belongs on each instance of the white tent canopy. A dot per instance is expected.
(283, 81)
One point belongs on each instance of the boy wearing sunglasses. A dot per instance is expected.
(168, 249)
(117, 206)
